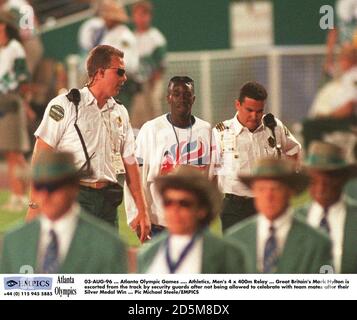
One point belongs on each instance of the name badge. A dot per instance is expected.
(117, 163)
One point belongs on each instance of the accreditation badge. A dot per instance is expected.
(117, 163)
(229, 142)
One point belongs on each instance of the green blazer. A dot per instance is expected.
(305, 250)
(95, 248)
(219, 256)
(349, 250)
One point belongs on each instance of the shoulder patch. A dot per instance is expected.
(220, 126)
(56, 112)
(117, 100)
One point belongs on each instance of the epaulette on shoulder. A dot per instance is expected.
(220, 126)
(118, 101)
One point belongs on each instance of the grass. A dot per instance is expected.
(10, 219)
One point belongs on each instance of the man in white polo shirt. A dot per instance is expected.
(104, 141)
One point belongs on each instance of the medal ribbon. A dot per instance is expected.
(173, 266)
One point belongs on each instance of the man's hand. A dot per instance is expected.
(142, 226)
(40, 146)
(141, 223)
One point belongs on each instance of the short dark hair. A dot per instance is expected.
(101, 57)
(181, 79)
(252, 90)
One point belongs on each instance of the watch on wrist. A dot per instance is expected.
(33, 205)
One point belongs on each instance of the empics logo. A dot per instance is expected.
(11, 283)
(27, 283)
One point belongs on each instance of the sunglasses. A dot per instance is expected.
(184, 203)
(120, 71)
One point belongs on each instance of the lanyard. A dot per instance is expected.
(108, 128)
(178, 142)
(174, 266)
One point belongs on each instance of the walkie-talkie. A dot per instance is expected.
(270, 122)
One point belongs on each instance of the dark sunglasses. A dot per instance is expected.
(120, 71)
(181, 203)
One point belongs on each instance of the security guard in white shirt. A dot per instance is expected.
(97, 131)
(241, 141)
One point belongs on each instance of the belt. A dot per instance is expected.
(95, 185)
(235, 197)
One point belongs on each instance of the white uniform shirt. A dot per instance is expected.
(152, 50)
(12, 67)
(348, 89)
(64, 229)
(282, 227)
(336, 218)
(158, 152)
(335, 94)
(90, 33)
(122, 38)
(237, 150)
(192, 263)
(100, 137)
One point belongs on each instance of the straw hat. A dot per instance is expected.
(8, 18)
(113, 10)
(277, 169)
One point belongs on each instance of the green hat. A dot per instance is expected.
(324, 156)
(192, 179)
(53, 167)
(277, 169)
